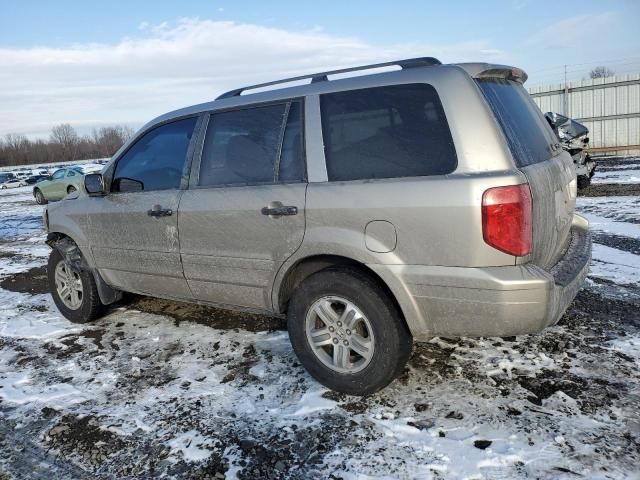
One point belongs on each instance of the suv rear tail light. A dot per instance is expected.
(506, 219)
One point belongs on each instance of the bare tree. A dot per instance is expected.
(601, 72)
(108, 140)
(16, 147)
(66, 137)
(63, 145)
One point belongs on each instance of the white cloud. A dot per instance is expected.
(172, 65)
(571, 32)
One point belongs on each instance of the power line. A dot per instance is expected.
(594, 62)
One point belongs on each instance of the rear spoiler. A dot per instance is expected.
(487, 70)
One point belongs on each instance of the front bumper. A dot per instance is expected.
(492, 301)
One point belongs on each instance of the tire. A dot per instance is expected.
(389, 335)
(40, 200)
(89, 307)
(71, 189)
(584, 181)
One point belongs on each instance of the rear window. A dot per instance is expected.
(386, 132)
(527, 132)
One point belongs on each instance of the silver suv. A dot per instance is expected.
(371, 211)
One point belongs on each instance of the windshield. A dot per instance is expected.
(529, 135)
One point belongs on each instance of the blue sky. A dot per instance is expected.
(97, 63)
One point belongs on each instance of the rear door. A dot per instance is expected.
(243, 214)
(134, 228)
(548, 168)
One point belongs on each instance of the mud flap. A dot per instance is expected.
(73, 257)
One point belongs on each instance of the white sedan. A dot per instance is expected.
(13, 183)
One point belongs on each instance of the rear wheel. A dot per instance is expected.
(71, 189)
(40, 200)
(584, 181)
(347, 332)
(74, 291)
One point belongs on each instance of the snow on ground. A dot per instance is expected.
(618, 175)
(159, 388)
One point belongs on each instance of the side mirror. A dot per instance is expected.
(94, 184)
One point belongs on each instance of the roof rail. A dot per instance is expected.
(322, 76)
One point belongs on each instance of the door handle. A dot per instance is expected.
(157, 211)
(279, 211)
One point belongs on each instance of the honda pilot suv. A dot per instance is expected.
(372, 211)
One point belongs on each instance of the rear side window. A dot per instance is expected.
(386, 132)
(156, 160)
(527, 132)
(258, 145)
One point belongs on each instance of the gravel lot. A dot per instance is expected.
(160, 388)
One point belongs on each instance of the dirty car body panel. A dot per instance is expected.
(420, 236)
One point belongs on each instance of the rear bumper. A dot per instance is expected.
(492, 301)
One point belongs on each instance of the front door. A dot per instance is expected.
(243, 214)
(54, 189)
(134, 228)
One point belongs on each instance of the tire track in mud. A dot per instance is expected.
(620, 242)
(25, 458)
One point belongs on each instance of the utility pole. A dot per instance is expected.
(565, 95)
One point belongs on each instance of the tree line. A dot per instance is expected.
(63, 145)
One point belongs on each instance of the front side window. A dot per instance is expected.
(156, 160)
(71, 173)
(58, 175)
(258, 145)
(386, 132)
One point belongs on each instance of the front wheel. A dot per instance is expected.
(347, 332)
(74, 291)
(40, 200)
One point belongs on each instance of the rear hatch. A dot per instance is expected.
(548, 169)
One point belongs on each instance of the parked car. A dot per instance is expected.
(32, 180)
(371, 211)
(574, 139)
(6, 176)
(11, 183)
(61, 183)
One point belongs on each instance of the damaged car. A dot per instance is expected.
(574, 139)
(371, 212)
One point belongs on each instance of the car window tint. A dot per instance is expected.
(386, 132)
(155, 161)
(58, 174)
(241, 146)
(71, 173)
(529, 135)
(292, 156)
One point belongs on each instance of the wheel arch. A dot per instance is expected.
(305, 267)
(69, 249)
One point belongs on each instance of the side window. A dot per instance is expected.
(386, 132)
(292, 156)
(71, 173)
(156, 160)
(244, 146)
(58, 175)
